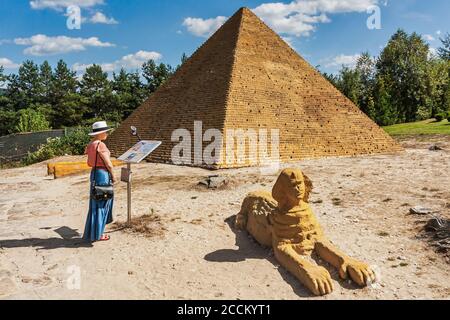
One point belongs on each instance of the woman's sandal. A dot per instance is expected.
(104, 238)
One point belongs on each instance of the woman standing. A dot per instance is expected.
(100, 211)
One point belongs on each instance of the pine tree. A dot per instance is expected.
(46, 77)
(100, 101)
(155, 75)
(67, 104)
(25, 89)
(444, 51)
(3, 77)
(129, 93)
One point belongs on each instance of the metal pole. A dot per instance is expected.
(129, 193)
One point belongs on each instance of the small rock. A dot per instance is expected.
(214, 182)
(436, 224)
(391, 259)
(420, 210)
(435, 148)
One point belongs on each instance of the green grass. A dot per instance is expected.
(419, 128)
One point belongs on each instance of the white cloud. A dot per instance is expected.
(346, 60)
(297, 18)
(428, 37)
(136, 60)
(131, 61)
(62, 4)
(432, 52)
(203, 27)
(8, 64)
(99, 17)
(439, 32)
(42, 45)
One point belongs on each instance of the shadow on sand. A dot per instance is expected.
(69, 238)
(250, 249)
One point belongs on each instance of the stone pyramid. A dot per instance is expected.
(245, 76)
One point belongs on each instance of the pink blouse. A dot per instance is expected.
(91, 152)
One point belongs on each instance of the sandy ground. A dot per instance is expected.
(362, 203)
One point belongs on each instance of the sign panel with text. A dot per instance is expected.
(140, 151)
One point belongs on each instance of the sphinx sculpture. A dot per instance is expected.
(285, 221)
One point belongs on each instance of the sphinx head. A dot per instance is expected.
(292, 187)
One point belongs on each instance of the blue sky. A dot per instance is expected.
(118, 33)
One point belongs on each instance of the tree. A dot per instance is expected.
(444, 51)
(155, 75)
(7, 122)
(7, 117)
(385, 112)
(68, 107)
(403, 66)
(444, 54)
(349, 83)
(333, 79)
(183, 59)
(437, 88)
(25, 88)
(4, 100)
(3, 77)
(129, 92)
(96, 88)
(365, 66)
(46, 77)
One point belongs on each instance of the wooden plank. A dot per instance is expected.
(63, 169)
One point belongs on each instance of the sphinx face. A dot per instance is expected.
(290, 188)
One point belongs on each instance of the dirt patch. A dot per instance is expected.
(424, 141)
(149, 226)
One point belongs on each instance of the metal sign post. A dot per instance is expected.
(129, 194)
(135, 155)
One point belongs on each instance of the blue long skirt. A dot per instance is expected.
(100, 212)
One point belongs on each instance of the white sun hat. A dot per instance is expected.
(99, 127)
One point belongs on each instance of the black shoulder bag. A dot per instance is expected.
(101, 192)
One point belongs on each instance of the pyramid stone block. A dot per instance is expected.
(246, 77)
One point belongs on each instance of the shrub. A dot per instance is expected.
(31, 120)
(73, 143)
(441, 116)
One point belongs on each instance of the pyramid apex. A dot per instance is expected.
(244, 10)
